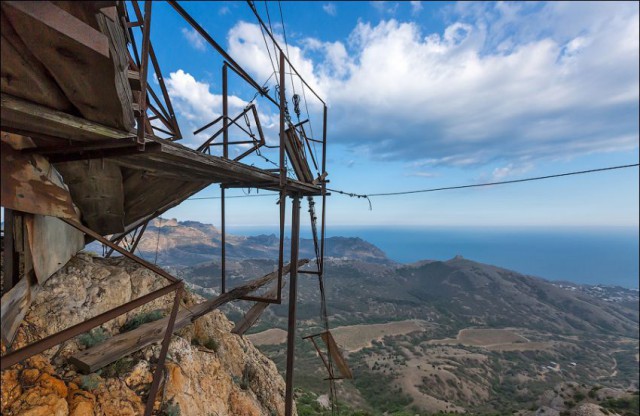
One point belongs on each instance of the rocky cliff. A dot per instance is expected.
(209, 370)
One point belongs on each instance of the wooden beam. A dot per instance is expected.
(92, 359)
(79, 153)
(65, 23)
(33, 118)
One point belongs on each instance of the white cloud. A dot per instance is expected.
(330, 9)
(503, 83)
(388, 7)
(196, 104)
(224, 10)
(503, 172)
(247, 46)
(194, 38)
(416, 6)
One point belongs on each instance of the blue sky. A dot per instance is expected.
(425, 95)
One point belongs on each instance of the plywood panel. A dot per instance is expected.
(96, 188)
(52, 243)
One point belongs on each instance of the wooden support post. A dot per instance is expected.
(293, 292)
(144, 73)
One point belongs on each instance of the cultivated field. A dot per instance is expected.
(352, 338)
(355, 337)
(493, 339)
(273, 336)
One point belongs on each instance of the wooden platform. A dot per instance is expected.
(66, 86)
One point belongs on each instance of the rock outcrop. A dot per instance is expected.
(209, 370)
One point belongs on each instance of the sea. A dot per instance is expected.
(584, 255)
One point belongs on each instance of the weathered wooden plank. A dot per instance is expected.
(112, 27)
(336, 355)
(65, 23)
(85, 10)
(16, 302)
(118, 346)
(52, 243)
(85, 76)
(253, 314)
(14, 306)
(295, 152)
(33, 118)
(240, 171)
(97, 189)
(30, 184)
(23, 75)
(17, 141)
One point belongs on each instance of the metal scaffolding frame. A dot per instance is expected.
(150, 106)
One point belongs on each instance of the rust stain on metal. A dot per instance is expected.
(30, 184)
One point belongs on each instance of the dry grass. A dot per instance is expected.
(273, 336)
(493, 339)
(355, 337)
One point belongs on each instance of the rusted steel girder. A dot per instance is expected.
(121, 250)
(157, 375)
(293, 293)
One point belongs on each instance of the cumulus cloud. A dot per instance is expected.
(194, 38)
(195, 103)
(330, 9)
(503, 83)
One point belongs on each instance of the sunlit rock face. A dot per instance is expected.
(208, 369)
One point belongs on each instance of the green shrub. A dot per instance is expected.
(210, 343)
(170, 408)
(117, 368)
(93, 337)
(141, 319)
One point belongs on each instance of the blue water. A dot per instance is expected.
(581, 255)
